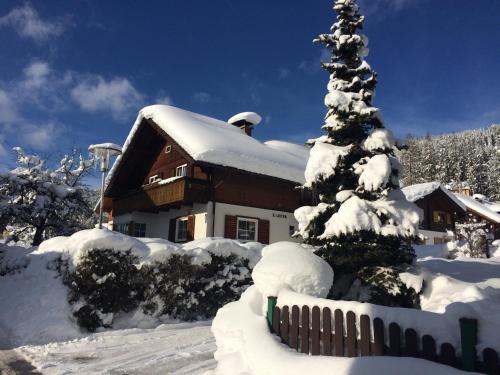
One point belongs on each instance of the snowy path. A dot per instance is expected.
(184, 348)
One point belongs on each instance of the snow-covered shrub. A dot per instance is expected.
(471, 240)
(182, 289)
(104, 283)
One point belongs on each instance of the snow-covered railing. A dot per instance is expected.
(321, 331)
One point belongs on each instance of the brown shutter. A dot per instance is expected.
(190, 228)
(131, 228)
(230, 227)
(171, 230)
(263, 235)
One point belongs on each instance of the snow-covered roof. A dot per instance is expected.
(479, 208)
(418, 191)
(214, 141)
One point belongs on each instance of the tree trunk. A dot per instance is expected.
(38, 237)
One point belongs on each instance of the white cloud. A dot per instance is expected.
(28, 24)
(36, 75)
(117, 96)
(8, 111)
(163, 99)
(202, 97)
(40, 137)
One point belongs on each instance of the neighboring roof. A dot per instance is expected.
(479, 208)
(418, 191)
(213, 141)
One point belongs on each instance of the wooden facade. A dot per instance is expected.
(440, 212)
(147, 180)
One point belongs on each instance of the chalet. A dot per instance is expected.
(484, 211)
(185, 176)
(440, 210)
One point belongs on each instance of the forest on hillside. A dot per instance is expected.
(470, 157)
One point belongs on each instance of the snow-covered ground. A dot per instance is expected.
(35, 319)
(182, 348)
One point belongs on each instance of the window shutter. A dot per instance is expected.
(263, 235)
(171, 230)
(190, 228)
(131, 228)
(230, 227)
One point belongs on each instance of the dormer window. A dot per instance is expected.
(181, 170)
(154, 179)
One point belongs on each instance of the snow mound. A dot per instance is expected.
(246, 346)
(251, 117)
(288, 265)
(76, 246)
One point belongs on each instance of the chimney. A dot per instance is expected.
(245, 121)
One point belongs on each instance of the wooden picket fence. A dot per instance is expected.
(314, 332)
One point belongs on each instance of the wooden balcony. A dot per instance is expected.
(156, 197)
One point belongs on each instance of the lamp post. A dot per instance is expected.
(104, 151)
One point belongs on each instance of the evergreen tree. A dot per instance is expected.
(362, 222)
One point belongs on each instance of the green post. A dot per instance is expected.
(271, 304)
(468, 336)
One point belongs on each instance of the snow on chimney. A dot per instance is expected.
(245, 121)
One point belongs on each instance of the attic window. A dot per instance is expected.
(154, 179)
(168, 149)
(181, 170)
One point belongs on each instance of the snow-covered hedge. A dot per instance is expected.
(110, 274)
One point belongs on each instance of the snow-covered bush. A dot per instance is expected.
(185, 290)
(104, 283)
(471, 240)
(110, 274)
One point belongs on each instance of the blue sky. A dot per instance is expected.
(74, 73)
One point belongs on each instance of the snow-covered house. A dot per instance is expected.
(483, 210)
(440, 210)
(185, 176)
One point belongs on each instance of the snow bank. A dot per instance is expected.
(245, 346)
(291, 266)
(76, 246)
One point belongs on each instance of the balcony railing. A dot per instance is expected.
(155, 197)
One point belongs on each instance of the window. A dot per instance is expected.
(121, 228)
(168, 149)
(291, 230)
(247, 229)
(139, 230)
(441, 217)
(181, 228)
(181, 170)
(154, 179)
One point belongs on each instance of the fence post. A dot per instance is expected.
(468, 338)
(271, 304)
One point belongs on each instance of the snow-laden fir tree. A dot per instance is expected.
(37, 202)
(361, 222)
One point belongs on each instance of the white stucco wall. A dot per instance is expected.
(279, 221)
(157, 224)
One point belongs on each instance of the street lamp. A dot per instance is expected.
(104, 152)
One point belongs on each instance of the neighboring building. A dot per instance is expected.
(440, 210)
(483, 210)
(184, 176)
